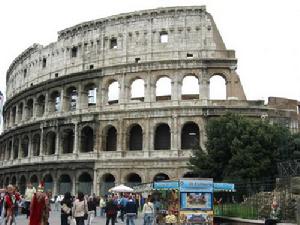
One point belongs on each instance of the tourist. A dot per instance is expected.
(102, 206)
(122, 204)
(148, 210)
(9, 207)
(130, 211)
(111, 211)
(275, 215)
(91, 210)
(66, 209)
(80, 209)
(39, 207)
(29, 192)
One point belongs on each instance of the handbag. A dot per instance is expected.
(85, 216)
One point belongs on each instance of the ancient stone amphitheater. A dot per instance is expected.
(64, 126)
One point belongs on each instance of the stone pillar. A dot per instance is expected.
(76, 136)
(146, 136)
(176, 88)
(147, 86)
(122, 90)
(74, 184)
(12, 150)
(120, 135)
(62, 101)
(57, 141)
(174, 133)
(55, 185)
(29, 147)
(95, 183)
(34, 108)
(20, 147)
(42, 151)
(80, 98)
(46, 109)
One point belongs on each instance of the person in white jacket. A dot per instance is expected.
(80, 209)
(148, 210)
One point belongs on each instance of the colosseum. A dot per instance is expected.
(104, 104)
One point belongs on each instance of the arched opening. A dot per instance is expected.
(50, 143)
(8, 152)
(67, 141)
(87, 139)
(136, 138)
(161, 176)
(6, 181)
(64, 184)
(111, 139)
(36, 140)
(190, 88)
(25, 146)
(14, 114)
(40, 105)
(14, 180)
(22, 185)
(133, 179)
(190, 136)
(55, 102)
(107, 182)
(90, 94)
(48, 183)
(190, 175)
(85, 182)
(162, 139)
(217, 88)
(34, 181)
(29, 108)
(113, 93)
(20, 111)
(163, 89)
(71, 99)
(137, 90)
(16, 148)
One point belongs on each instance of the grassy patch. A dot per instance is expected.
(236, 210)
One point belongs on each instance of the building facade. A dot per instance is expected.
(104, 105)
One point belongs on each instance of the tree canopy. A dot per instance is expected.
(242, 148)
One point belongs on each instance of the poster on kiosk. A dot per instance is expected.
(196, 201)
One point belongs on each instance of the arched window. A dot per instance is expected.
(14, 180)
(72, 98)
(90, 94)
(16, 148)
(22, 185)
(25, 146)
(64, 184)
(138, 90)
(161, 176)
(36, 144)
(7, 181)
(20, 111)
(87, 139)
(41, 105)
(162, 139)
(85, 182)
(107, 182)
(163, 89)
(50, 143)
(136, 138)
(67, 141)
(8, 153)
(217, 88)
(111, 139)
(190, 136)
(190, 87)
(133, 179)
(55, 102)
(14, 114)
(48, 182)
(34, 181)
(29, 107)
(113, 93)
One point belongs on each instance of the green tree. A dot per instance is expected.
(240, 148)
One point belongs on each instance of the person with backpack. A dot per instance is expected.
(66, 209)
(111, 211)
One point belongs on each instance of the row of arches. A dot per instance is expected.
(76, 97)
(63, 142)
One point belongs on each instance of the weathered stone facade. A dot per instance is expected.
(61, 124)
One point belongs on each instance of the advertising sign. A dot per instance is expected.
(224, 187)
(196, 185)
(166, 185)
(196, 201)
(196, 217)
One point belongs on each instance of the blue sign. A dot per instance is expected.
(224, 187)
(196, 201)
(196, 185)
(166, 185)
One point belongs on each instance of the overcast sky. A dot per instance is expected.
(264, 34)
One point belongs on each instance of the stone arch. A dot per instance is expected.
(107, 181)
(135, 141)
(36, 140)
(71, 98)
(161, 176)
(64, 184)
(137, 90)
(67, 140)
(14, 180)
(85, 183)
(50, 143)
(20, 111)
(29, 108)
(9, 150)
(87, 139)
(217, 87)
(113, 92)
(163, 88)
(48, 182)
(133, 179)
(110, 140)
(162, 137)
(16, 148)
(190, 88)
(14, 114)
(34, 180)
(190, 136)
(25, 146)
(90, 94)
(54, 101)
(40, 105)
(22, 184)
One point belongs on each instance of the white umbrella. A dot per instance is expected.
(121, 188)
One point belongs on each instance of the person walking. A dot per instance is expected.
(111, 211)
(130, 211)
(9, 205)
(148, 210)
(102, 206)
(29, 192)
(91, 209)
(66, 209)
(80, 209)
(122, 204)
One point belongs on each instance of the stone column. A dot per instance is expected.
(20, 147)
(34, 108)
(146, 136)
(95, 183)
(57, 142)
(42, 151)
(29, 146)
(174, 133)
(62, 101)
(46, 110)
(12, 150)
(80, 98)
(204, 85)
(74, 184)
(120, 134)
(122, 90)
(147, 88)
(76, 136)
